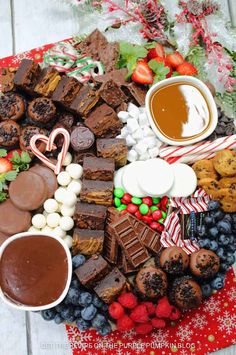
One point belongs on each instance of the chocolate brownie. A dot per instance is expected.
(47, 82)
(66, 91)
(27, 75)
(112, 94)
(98, 168)
(84, 101)
(113, 148)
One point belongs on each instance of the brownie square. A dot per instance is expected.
(84, 101)
(111, 286)
(93, 270)
(87, 241)
(112, 94)
(66, 91)
(90, 216)
(27, 75)
(113, 148)
(98, 168)
(47, 82)
(98, 192)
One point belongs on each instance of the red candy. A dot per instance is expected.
(147, 219)
(147, 201)
(126, 198)
(154, 225)
(156, 215)
(131, 208)
(138, 215)
(160, 228)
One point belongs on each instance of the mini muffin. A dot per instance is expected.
(42, 112)
(9, 134)
(151, 282)
(174, 260)
(186, 293)
(225, 162)
(204, 169)
(27, 133)
(12, 106)
(204, 264)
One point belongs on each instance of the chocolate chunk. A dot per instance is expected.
(66, 91)
(84, 101)
(111, 286)
(112, 94)
(113, 148)
(87, 242)
(47, 82)
(103, 122)
(81, 138)
(110, 248)
(95, 191)
(137, 92)
(27, 75)
(109, 55)
(66, 119)
(92, 271)
(90, 216)
(117, 75)
(149, 238)
(98, 169)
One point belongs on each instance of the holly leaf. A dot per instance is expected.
(3, 153)
(159, 69)
(11, 175)
(3, 196)
(25, 157)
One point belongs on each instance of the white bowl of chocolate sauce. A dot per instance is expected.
(181, 110)
(35, 271)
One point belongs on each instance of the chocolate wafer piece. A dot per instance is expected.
(127, 238)
(149, 238)
(87, 241)
(127, 266)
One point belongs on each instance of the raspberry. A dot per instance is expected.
(125, 323)
(151, 309)
(128, 300)
(116, 311)
(158, 323)
(175, 313)
(163, 309)
(140, 314)
(145, 328)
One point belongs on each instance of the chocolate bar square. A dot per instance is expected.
(66, 91)
(111, 286)
(47, 82)
(98, 168)
(110, 247)
(112, 94)
(27, 75)
(115, 148)
(84, 101)
(90, 216)
(148, 237)
(87, 241)
(95, 191)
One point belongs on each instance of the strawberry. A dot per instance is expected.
(186, 69)
(10, 154)
(174, 59)
(142, 74)
(5, 165)
(158, 50)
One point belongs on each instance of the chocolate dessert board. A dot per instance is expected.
(203, 330)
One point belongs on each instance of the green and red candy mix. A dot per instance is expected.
(151, 210)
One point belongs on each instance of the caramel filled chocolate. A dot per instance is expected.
(33, 270)
(180, 111)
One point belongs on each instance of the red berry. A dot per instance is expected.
(138, 215)
(140, 314)
(160, 228)
(156, 215)
(158, 323)
(163, 309)
(131, 208)
(151, 309)
(128, 300)
(5, 165)
(186, 69)
(145, 328)
(147, 201)
(127, 198)
(125, 323)
(154, 225)
(175, 313)
(174, 59)
(116, 311)
(147, 219)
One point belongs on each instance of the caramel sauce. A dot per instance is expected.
(180, 111)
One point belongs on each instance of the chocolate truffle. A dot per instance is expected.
(186, 293)
(151, 282)
(27, 133)
(41, 111)
(12, 106)
(9, 134)
(204, 263)
(81, 138)
(174, 260)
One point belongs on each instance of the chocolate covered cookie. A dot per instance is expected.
(186, 293)
(82, 138)
(13, 220)
(27, 133)
(174, 260)
(204, 263)
(12, 106)
(9, 134)
(42, 112)
(151, 282)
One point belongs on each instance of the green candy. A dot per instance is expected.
(121, 207)
(117, 202)
(163, 214)
(161, 220)
(143, 208)
(136, 200)
(153, 208)
(156, 200)
(119, 192)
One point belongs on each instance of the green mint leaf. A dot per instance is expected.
(25, 158)
(159, 69)
(3, 153)
(131, 65)
(11, 175)
(15, 158)
(3, 196)
(128, 50)
(121, 63)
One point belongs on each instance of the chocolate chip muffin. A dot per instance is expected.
(186, 293)
(27, 133)
(174, 260)
(151, 282)
(42, 112)
(9, 134)
(12, 106)
(204, 263)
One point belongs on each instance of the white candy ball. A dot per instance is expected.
(66, 223)
(33, 229)
(45, 214)
(53, 220)
(63, 178)
(75, 170)
(67, 160)
(67, 211)
(47, 230)
(68, 240)
(50, 205)
(58, 232)
(39, 221)
(60, 194)
(75, 186)
(69, 199)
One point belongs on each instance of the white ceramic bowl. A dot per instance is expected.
(64, 293)
(203, 89)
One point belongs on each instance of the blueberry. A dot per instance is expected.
(89, 312)
(223, 240)
(82, 324)
(213, 232)
(231, 238)
(209, 221)
(227, 217)
(233, 216)
(105, 330)
(217, 283)
(98, 321)
(204, 243)
(232, 247)
(59, 308)
(67, 313)
(49, 314)
(78, 260)
(85, 299)
(77, 312)
(75, 283)
(219, 215)
(213, 245)
(58, 319)
(220, 252)
(224, 266)
(213, 205)
(97, 301)
(71, 319)
(230, 258)
(224, 227)
(104, 307)
(201, 230)
(72, 296)
(206, 290)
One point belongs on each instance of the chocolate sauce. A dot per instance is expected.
(33, 270)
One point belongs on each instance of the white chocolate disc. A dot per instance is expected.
(185, 180)
(118, 177)
(130, 179)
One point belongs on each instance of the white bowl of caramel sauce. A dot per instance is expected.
(181, 110)
(35, 271)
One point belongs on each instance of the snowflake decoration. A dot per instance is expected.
(161, 336)
(212, 306)
(232, 294)
(183, 352)
(199, 321)
(227, 322)
(18, 58)
(78, 339)
(184, 332)
(129, 335)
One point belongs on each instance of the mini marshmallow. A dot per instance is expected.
(148, 132)
(119, 136)
(75, 186)
(47, 230)
(67, 160)
(124, 132)
(67, 211)
(50, 205)
(141, 148)
(33, 229)
(159, 143)
(144, 156)
(75, 170)
(132, 155)
(53, 219)
(60, 194)
(69, 199)
(39, 221)
(132, 125)
(150, 141)
(68, 240)
(153, 152)
(66, 223)
(123, 115)
(138, 134)
(142, 109)
(58, 232)
(133, 109)
(63, 178)
(143, 120)
(130, 141)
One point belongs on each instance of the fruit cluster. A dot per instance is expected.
(151, 210)
(80, 306)
(217, 233)
(143, 317)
